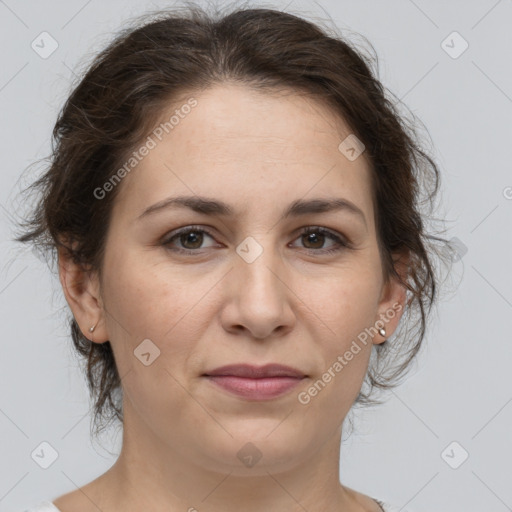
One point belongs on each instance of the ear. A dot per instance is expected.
(81, 288)
(393, 297)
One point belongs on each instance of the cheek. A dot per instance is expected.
(347, 304)
(349, 308)
(151, 325)
(148, 301)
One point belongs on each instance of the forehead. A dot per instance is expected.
(247, 148)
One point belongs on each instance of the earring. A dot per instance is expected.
(382, 332)
(91, 329)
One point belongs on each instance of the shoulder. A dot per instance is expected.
(372, 504)
(369, 503)
(386, 507)
(43, 506)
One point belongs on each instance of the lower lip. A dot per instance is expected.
(255, 389)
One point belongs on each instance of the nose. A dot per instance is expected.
(259, 299)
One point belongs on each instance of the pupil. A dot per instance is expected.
(191, 237)
(312, 237)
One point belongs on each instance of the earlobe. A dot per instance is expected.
(392, 303)
(82, 292)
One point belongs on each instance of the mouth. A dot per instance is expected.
(256, 383)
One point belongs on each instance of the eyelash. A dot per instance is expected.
(341, 244)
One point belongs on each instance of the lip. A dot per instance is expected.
(256, 382)
(256, 372)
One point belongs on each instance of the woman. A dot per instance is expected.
(234, 203)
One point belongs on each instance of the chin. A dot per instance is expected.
(256, 448)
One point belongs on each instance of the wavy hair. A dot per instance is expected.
(169, 54)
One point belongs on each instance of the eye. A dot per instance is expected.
(316, 236)
(190, 238)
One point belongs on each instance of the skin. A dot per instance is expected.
(291, 305)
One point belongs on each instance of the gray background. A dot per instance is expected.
(459, 390)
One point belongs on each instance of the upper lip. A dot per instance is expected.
(256, 372)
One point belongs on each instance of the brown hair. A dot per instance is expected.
(131, 82)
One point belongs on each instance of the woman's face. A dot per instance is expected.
(254, 289)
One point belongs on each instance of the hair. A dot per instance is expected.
(173, 53)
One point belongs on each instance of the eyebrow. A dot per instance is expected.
(214, 207)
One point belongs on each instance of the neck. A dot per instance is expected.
(150, 473)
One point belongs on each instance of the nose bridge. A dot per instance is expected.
(260, 274)
(258, 293)
(258, 263)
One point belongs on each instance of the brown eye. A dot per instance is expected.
(314, 239)
(189, 240)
